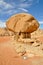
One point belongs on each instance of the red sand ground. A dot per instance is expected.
(4, 39)
(8, 55)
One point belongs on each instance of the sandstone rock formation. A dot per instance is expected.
(23, 24)
(37, 33)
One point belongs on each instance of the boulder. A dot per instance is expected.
(22, 23)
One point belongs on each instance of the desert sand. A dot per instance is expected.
(8, 55)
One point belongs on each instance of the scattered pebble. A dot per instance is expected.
(25, 57)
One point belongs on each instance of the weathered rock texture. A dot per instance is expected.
(22, 23)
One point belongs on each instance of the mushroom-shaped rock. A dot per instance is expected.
(22, 22)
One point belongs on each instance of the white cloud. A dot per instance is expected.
(30, 0)
(10, 12)
(4, 5)
(25, 10)
(41, 22)
(12, 8)
(2, 24)
(22, 0)
(25, 5)
(1, 0)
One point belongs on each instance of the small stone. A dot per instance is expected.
(25, 57)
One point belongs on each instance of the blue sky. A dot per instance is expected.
(11, 7)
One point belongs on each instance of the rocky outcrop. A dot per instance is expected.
(23, 24)
(6, 32)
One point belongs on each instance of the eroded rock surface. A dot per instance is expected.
(22, 24)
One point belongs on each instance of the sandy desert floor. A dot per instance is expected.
(8, 55)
